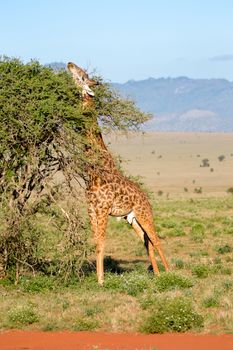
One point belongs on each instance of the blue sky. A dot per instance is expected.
(123, 39)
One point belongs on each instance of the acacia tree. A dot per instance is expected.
(42, 131)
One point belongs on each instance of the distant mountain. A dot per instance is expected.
(56, 65)
(180, 104)
(183, 104)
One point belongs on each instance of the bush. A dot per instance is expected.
(197, 232)
(38, 283)
(132, 283)
(211, 301)
(221, 158)
(230, 190)
(201, 271)
(205, 163)
(172, 315)
(171, 280)
(198, 190)
(224, 249)
(169, 223)
(227, 285)
(22, 316)
(85, 324)
(176, 232)
(179, 264)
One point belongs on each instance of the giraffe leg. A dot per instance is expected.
(100, 259)
(148, 244)
(152, 257)
(153, 243)
(98, 224)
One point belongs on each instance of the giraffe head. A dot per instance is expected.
(82, 80)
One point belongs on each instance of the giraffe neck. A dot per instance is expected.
(106, 164)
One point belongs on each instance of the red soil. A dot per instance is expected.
(35, 340)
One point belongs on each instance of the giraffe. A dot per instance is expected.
(109, 193)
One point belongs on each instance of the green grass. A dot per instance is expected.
(172, 315)
(21, 316)
(132, 298)
(171, 280)
(211, 301)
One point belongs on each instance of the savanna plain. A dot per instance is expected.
(189, 179)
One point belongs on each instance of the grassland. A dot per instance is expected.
(171, 162)
(196, 233)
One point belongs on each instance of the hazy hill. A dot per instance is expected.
(180, 104)
(56, 65)
(183, 104)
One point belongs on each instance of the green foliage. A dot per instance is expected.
(132, 283)
(227, 285)
(50, 326)
(116, 112)
(172, 315)
(197, 232)
(36, 107)
(176, 232)
(179, 263)
(201, 270)
(171, 280)
(85, 324)
(169, 223)
(22, 316)
(224, 249)
(211, 301)
(38, 283)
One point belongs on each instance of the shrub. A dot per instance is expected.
(201, 271)
(224, 249)
(172, 315)
(226, 271)
(169, 223)
(205, 163)
(198, 190)
(38, 283)
(132, 283)
(171, 280)
(197, 232)
(229, 231)
(85, 324)
(227, 285)
(230, 190)
(211, 301)
(221, 158)
(179, 264)
(22, 316)
(50, 326)
(176, 232)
